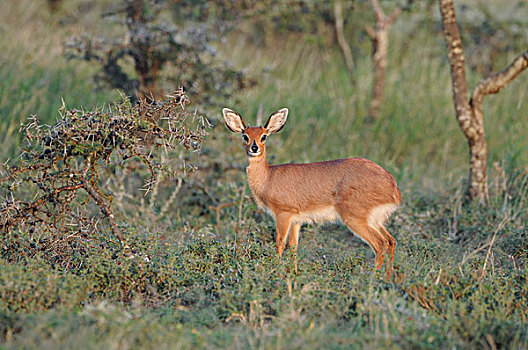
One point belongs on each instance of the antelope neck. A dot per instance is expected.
(258, 171)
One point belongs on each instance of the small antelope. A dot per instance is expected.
(355, 190)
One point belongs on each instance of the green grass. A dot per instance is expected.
(187, 280)
(29, 89)
(225, 288)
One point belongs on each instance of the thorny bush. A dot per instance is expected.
(55, 196)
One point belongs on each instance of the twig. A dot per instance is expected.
(242, 196)
(105, 209)
(171, 199)
(218, 208)
(501, 225)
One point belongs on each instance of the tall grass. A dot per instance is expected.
(30, 89)
(34, 74)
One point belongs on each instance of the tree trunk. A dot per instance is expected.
(339, 24)
(472, 127)
(147, 66)
(54, 5)
(469, 113)
(380, 41)
(380, 64)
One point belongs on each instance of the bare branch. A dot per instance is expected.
(496, 82)
(394, 15)
(370, 32)
(378, 11)
(105, 209)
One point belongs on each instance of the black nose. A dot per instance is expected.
(254, 147)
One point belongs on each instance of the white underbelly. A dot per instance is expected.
(320, 215)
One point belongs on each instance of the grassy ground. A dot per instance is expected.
(189, 280)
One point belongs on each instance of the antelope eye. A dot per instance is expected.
(245, 137)
(263, 138)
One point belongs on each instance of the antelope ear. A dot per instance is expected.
(233, 120)
(277, 120)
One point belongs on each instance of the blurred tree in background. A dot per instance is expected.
(54, 5)
(380, 42)
(179, 49)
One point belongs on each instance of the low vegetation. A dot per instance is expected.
(225, 286)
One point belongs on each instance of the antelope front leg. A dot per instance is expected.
(293, 240)
(283, 221)
(293, 236)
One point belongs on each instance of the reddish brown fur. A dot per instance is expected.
(358, 191)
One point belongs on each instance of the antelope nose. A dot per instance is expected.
(254, 147)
